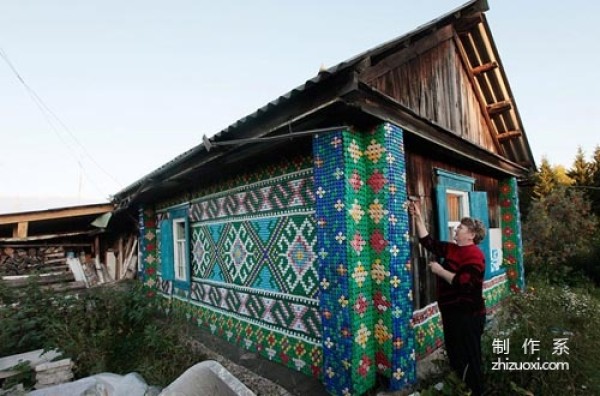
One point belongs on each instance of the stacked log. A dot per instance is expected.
(47, 263)
(28, 260)
(55, 259)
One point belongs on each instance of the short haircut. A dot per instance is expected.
(476, 227)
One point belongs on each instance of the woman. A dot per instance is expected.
(460, 294)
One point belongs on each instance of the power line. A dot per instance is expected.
(46, 110)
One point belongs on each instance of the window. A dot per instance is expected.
(457, 207)
(179, 242)
(174, 247)
(455, 200)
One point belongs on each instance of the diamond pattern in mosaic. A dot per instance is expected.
(239, 253)
(276, 253)
(376, 181)
(296, 247)
(249, 296)
(201, 252)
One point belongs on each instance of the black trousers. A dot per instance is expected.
(462, 337)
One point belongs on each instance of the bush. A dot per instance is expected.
(588, 264)
(544, 314)
(105, 329)
(559, 227)
(24, 315)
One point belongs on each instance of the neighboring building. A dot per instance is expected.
(40, 242)
(301, 248)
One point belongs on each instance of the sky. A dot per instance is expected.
(107, 91)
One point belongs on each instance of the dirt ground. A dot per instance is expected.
(262, 376)
(258, 384)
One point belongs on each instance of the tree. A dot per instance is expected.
(545, 180)
(561, 175)
(559, 227)
(581, 172)
(594, 191)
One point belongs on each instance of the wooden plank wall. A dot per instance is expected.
(421, 182)
(436, 86)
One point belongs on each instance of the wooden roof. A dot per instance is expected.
(482, 61)
(50, 220)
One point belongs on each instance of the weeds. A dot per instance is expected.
(108, 329)
(534, 324)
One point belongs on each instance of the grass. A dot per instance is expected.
(539, 318)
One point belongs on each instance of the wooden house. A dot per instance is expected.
(288, 233)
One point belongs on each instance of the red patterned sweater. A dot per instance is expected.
(465, 293)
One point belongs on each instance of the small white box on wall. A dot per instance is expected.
(495, 250)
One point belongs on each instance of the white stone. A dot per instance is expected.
(53, 379)
(54, 365)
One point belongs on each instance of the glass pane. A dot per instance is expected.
(179, 230)
(180, 257)
(454, 203)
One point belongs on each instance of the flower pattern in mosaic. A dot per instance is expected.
(494, 291)
(254, 277)
(429, 334)
(512, 251)
(344, 308)
(294, 352)
(428, 323)
(373, 230)
(388, 229)
(148, 241)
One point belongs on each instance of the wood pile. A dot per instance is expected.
(27, 260)
(52, 267)
(48, 263)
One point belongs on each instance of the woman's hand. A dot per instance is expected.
(414, 208)
(435, 267)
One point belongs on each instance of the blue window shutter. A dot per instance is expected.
(479, 210)
(166, 249)
(442, 211)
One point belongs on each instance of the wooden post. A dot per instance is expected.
(20, 230)
(120, 258)
(128, 262)
(99, 271)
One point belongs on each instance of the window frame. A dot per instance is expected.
(179, 249)
(464, 210)
(456, 184)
